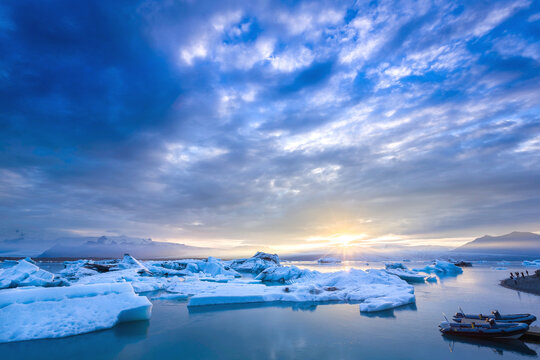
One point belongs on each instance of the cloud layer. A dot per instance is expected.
(234, 124)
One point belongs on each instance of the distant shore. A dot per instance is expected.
(529, 284)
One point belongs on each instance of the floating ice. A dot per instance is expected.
(25, 273)
(374, 289)
(441, 267)
(129, 262)
(531, 263)
(284, 274)
(256, 263)
(39, 313)
(329, 260)
(209, 267)
(395, 265)
(140, 282)
(404, 273)
(77, 269)
(407, 275)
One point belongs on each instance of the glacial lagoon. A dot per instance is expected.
(305, 331)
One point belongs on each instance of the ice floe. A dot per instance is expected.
(38, 313)
(441, 267)
(25, 273)
(404, 273)
(375, 290)
(256, 263)
(284, 274)
(531, 263)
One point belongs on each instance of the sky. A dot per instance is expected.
(287, 125)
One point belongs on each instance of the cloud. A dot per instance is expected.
(268, 124)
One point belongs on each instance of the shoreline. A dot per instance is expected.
(529, 284)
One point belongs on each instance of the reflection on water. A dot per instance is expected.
(306, 330)
(389, 313)
(498, 346)
(306, 306)
(106, 344)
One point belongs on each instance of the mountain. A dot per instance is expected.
(117, 246)
(514, 245)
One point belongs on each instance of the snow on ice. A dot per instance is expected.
(39, 313)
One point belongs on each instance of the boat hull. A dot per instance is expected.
(503, 331)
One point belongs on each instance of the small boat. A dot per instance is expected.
(508, 318)
(485, 330)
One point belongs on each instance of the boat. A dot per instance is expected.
(485, 330)
(500, 318)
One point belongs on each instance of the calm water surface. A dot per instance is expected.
(307, 331)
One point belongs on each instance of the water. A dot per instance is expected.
(308, 331)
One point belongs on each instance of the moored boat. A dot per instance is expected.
(500, 318)
(485, 330)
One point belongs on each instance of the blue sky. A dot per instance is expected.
(288, 124)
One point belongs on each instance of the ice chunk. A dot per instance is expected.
(395, 265)
(407, 275)
(129, 262)
(214, 267)
(256, 263)
(499, 268)
(375, 289)
(404, 273)
(209, 267)
(77, 269)
(284, 274)
(27, 274)
(38, 313)
(140, 282)
(441, 267)
(329, 260)
(531, 263)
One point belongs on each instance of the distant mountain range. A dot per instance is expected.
(516, 245)
(117, 246)
(513, 246)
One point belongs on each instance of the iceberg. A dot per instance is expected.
(129, 262)
(375, 290)
(256, 263)
(140, 282)
(209, 267)
(25, 273)
(441, 267)
(77, 269)
(284, 274)
(40, 313)
(404, 273)
(531, 263)
(395, 265)
(329, 260)
(407, 275)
